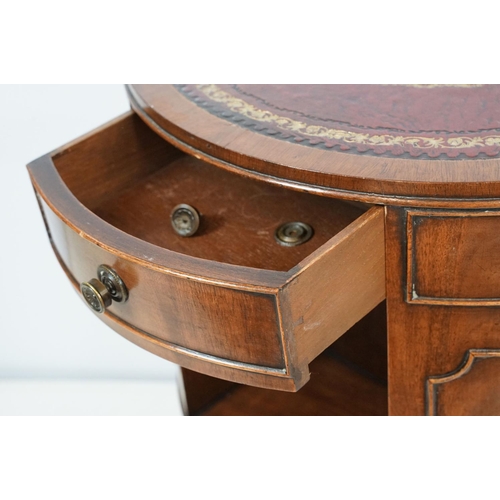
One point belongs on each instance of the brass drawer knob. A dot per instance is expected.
(100, 293)
(112, 281)
(96, 295)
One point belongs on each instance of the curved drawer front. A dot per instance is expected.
(230, 302)
(219, 324)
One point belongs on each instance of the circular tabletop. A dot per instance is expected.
(401, 144)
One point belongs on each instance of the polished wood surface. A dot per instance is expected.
(230, 296)
(238, 217)
(469, 386)
(395, 179)
(430, 340)
(100, 165)
(349, 278)
(440, 243)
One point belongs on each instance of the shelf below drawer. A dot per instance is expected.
(348, 379)
(346, 393)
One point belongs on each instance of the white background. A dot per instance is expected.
(46, 331)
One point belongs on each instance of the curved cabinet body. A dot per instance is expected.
(230, 301)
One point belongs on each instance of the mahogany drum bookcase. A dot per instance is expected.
(296, 249)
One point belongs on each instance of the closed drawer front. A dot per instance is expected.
(229, 301)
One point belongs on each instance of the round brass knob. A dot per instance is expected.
(99, 293)
(112, 281)
(185, 220)
(293, 233)
(96, 295)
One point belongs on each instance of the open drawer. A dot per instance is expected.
(229, 301)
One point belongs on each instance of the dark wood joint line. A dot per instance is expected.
(435, 382)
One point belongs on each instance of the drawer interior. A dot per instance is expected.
(131, 178)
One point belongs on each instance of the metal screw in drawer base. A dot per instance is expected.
(293, 233)
(185, 220)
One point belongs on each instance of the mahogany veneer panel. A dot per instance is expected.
(182, 312)
(438, 245)
(472, 389)
(430, 340)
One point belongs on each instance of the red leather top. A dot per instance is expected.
(412, 144)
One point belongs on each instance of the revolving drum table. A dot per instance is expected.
(296, 249)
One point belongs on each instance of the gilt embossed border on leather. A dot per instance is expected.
(453, 258)
(469, 397)
(418, 120)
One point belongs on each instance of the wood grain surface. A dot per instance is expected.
(336, 290)
(442, 181)
(348, 378)
(221, 301)
(430, 340)
(474, 385)
(239, 217)
(450, 253)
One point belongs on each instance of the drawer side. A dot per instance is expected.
(341, 283)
